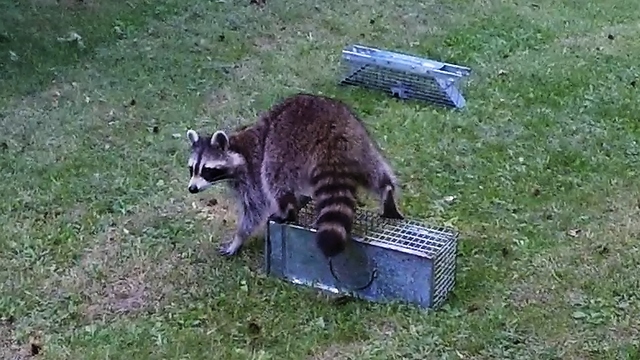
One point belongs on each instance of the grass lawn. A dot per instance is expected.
(105, 255)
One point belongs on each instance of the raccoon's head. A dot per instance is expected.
(211, 161)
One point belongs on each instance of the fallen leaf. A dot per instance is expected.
(449, 199)
(574, 232)
(451, 222)
(73, 37)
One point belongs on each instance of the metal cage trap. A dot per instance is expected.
(403, 76)
(388, 260)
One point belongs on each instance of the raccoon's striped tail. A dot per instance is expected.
(335, 203)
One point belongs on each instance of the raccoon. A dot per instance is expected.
(306, 147)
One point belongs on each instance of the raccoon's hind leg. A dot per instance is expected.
(386, 189)
(294, 214)
(284, 201)
(287, 209)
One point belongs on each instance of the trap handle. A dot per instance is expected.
(374, 274)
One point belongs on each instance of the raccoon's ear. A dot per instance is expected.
(192, 136)
(220, 140)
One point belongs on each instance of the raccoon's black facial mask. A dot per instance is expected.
(215, 174)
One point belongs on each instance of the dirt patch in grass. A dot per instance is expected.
(588, 280)
(382, 332)
(610, 40)
(339, 352)
(126, 270)
(527, 294)
(112, 281)
(223, 100)
(266, 43)
(247, 69)
(67, 4)
(10, 349)
(217, 100)
(217, 208)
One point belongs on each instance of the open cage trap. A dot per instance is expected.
(388, 260)
(403, 76)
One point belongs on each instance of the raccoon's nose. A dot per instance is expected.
(193, 189)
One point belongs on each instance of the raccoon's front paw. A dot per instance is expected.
(230, 248)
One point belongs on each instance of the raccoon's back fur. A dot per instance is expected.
(307, 146)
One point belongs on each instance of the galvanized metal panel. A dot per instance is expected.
(404, 76)
(388, 260)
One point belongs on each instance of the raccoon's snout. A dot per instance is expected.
(197, 184)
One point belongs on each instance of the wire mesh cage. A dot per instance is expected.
(403, 76)
(403, 260)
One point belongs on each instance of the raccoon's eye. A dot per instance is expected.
(213, 174)
(190, 170)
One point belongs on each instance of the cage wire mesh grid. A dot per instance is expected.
(403, 76)
(438, 244)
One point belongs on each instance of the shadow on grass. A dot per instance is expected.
(39, 38)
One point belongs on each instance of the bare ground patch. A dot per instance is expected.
(112, 281)
(247, 70)
(226, 106)
(217, 100)
(614, 40)
(589, 281)
(266, 43)
(11, 349)
(381, 333)
(339, 352)
(128, 269)
(528, 294)
(611, 40)
(67, 4)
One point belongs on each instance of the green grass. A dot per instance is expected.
(104, 254)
